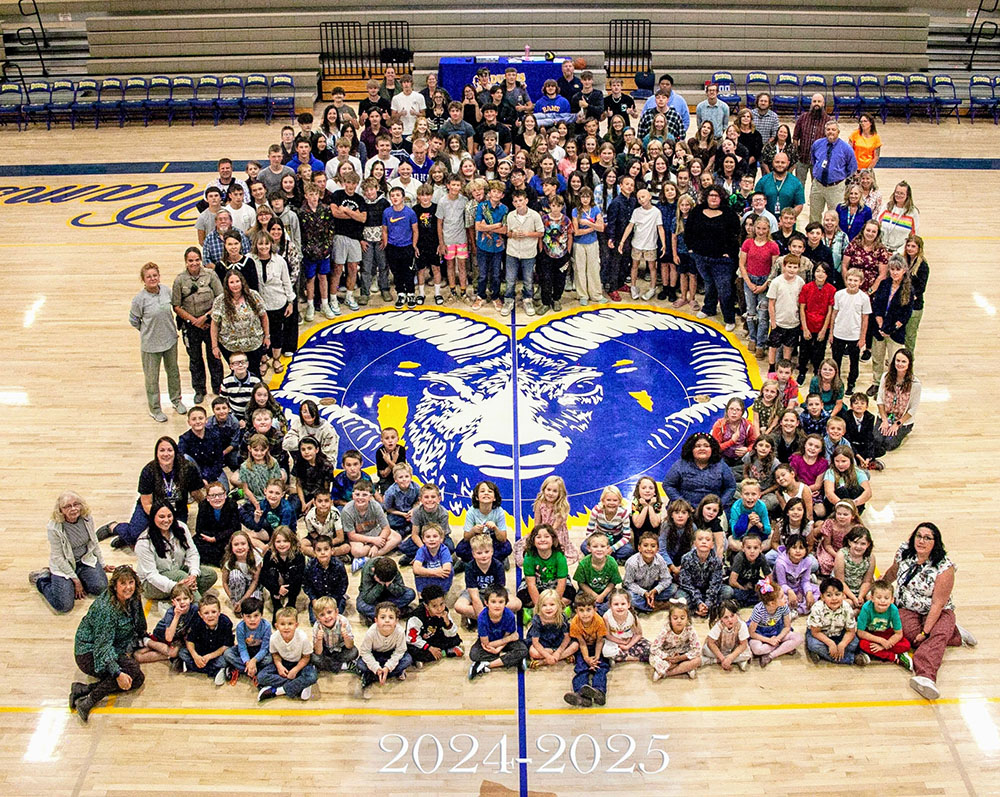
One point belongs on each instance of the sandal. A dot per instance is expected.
(277, 366)
(678, 303)
(439, 299)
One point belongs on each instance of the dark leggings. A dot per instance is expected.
(108, 684)
(551, 277)
(253, 356)
(512, 655)
(811, 352)
(400, 262)
(276, 326)
(849, 347)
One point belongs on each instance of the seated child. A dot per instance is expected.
(791, 574)
(771, 633)
(241, 571)
(383, 649)
(428, 511)
(283, 569)
(676, 650)
(860, 425)
(728, 641)
(832, 633)
(590, 670)
(748, 513)
(381, 582)
(749, 567)
(855, 566)
(168, 636)
(432, 564)
(597, 572)
(342, 488)
(387, 457)
(257, 470)
(325, 576)
(880, 628)
(289, 671)
(647, 576)
(323, 520)
(366, 526)
(202, 446)
(227, 427)
(333, 638)
(311, 473)
(485, 516)
(273, 512)
(611, 516)
(836, 429)
(624, 641)
(253, 639)
(398, 502)
(788, 388)
(431, 634)
(701, 575)
(262, 423)
(813, 417)
(548, 637)
(544, 567)
(484, 573)
(498, 644)
(208, 638)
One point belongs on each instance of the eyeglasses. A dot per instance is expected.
(216, 495)
(925, 537)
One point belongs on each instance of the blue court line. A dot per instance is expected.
(522, 718)
(210, 166)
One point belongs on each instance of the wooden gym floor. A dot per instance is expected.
(73, 415)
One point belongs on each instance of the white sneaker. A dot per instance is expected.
(730, 327)
(335, 305)
(635, 292)
(327, 310)
(967, 638)
(924, 687)
(222, 676)
(310, 313)
(646, 297)
(508, 307)
(306, 693)
(350, 302)
(529, 307)
(701, 314)
(600, 299)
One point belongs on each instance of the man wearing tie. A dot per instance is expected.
(833, 162)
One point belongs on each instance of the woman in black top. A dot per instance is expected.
(712, 234)
(920, 272)
(218, 520)
(751, 139)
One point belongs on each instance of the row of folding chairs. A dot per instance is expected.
(139, 98)
(931, 95)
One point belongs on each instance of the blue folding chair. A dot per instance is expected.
(894, 95)
(158, 100)
(756, 82)
(919, 94)
(812, 83)
(206, 97)
(37, 103)
(134, 100)
(945, 98)
(282, 96)
(109, 100)
(11, 104)
(787, 92)
(644, 82)
(256, 95)
(85, 102)
(181, 97)
(61, 103)
(845, 95)
(982, 97)
(230, 97)
(727, 89)
(870, 96)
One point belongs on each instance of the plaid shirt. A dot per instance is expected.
(808, 130)
(702, 581)
(214, 247)
(317, 232)
(675, 127)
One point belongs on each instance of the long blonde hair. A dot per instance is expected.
(63, 499)
(561, 503)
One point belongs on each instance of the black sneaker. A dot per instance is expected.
(105, 532)
(577, 699)
(866, 355)
(266, 694)
(596, 695)
(118, 543)
(872, 391)
(400, 301)
(411, 301)
(662, 294)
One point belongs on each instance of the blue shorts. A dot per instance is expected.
(310, 267)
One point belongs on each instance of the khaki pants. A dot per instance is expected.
(151, 370)
(883, 351)
(587, 271)
(822, 197)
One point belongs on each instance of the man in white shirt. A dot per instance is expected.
(408, 105)
(243, 215)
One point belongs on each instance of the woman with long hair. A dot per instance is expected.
(239, 322)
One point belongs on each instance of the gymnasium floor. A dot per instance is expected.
(73, 412)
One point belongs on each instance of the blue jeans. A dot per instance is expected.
(367, 610)
(813, 645)
(59, 591)
(210, 669)
(232, 659)
(526, 265)
(489, 271)
(583, 675)
(268, 676)
(744, 597)
(717, 273)
(368, 677)
(638, 595)
(757, 317)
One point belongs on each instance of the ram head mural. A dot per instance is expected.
(596, 396)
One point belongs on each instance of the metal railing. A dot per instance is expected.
(27, 37)
(975, 20)
(11, 66)
(33, 11)
(389, 45)
(986, 24)
(629, 47)
(342, 50)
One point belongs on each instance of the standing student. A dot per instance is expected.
(152, 314)
(554, 252)
(429, 259)
(851, 311)
(587, 223)
(816, 314)
(647, 224)
(490, 232)
(757, 258)
(783, 310)
(350, 213)
(399, 236)
(453, 240)
(524, 229)
(192, 294)
(317, 224)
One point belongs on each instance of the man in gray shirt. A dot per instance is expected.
(153, 315)
(271, 176)
(206, 219)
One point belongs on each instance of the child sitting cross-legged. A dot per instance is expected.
(325, 577)
(597, 572)
(481, 575)
(771, 633)
(548, 636)
(289, 671)
(432, 563)
(624, 641)
(880, 628)
(383, 649)
(253, 640)
(701, 575)
(167, 638)
(498, 644)
(676, 650)
(381, 582)
(728, 641)
(590, 678)
(208, 638)
(832, 634)
(431, 633)
(647, 576)
(333, 637)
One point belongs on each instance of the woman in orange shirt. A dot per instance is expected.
(866, 142)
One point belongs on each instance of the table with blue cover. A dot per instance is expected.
(455, 72)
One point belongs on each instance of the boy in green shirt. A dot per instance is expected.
(597, 574)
